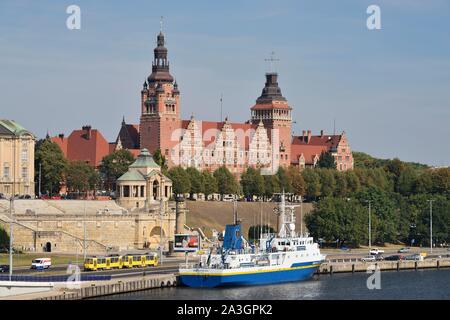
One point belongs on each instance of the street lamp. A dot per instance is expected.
(431, 225)
(11, 206)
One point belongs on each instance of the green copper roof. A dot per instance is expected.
(144, 160)
(13, 128)
(132, 175)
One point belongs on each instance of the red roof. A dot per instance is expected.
(86, 144)
(312, 147)
(273, 105)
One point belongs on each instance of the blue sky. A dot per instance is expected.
(389, 89)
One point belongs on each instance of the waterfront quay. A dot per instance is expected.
(355, 265)
(91, 289)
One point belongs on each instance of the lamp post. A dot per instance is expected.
(431, 225)
(11, 208)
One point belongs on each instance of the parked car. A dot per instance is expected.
(370, 258)
(379, 257)
(4, 268)
(395, 257)
(376, 251)
(414, 257)
(404, 250)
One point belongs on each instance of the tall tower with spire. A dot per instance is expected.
(273, 110)
(160, 106)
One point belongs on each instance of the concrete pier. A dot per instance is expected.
(353, 265)
(92, 289)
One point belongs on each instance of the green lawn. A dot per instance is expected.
(24, 259)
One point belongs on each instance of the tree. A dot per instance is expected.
(114, 165)
(385, 214)
(4, 239)
(352, 181)
(271, 185)
(284, 180)
(160, 160)
(340, 189)
(297, 181)
(252, 183)
(81, 177)
(406, 181)
(180, 180)
(312, 182)
(53, 163)
(326, 160)
(209, 183)
(196, 181)
(226, 182)
(335, 219)
(327, 182)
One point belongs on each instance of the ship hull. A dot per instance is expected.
(202, 279)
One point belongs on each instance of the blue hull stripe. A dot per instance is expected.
(257, 278)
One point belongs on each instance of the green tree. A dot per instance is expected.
(209, 183)
(352, 181)
(326, 160)
(160, 160)
(338, 220)
(226, 182)
(327, 182)
(51, 160)
(385, 213)
(81, 177)
(180, 180)
(4, 239)
(252, 183)
(114, 165)
(423, 183)
(271, 185)
(406, 181)
(284, 180)
(297, 181)
(341, 189)
(312, 181)
(441, 180)
(195, 177)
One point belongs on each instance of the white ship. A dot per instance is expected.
(283, 257)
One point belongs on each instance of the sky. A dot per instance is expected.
(389, 89)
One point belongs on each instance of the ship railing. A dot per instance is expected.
(196, 266)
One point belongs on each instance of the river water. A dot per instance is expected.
(421, 284)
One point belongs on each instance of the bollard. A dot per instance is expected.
(398, 265)
(415, 265)
(437, 263)
(353, 268)
(331, 269)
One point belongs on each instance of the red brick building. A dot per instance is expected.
(264, 141)
(86, 145)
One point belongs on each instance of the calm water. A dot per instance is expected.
(425, 284)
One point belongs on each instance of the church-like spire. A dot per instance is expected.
(160, 67)
(271, 90)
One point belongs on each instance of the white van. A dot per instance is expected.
(41, 263)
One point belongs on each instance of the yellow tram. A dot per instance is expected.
(118, 262)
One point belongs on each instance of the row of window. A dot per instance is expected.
(7, 172)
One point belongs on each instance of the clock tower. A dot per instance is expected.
(160, 113)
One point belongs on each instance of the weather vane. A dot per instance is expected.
(272, 60)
